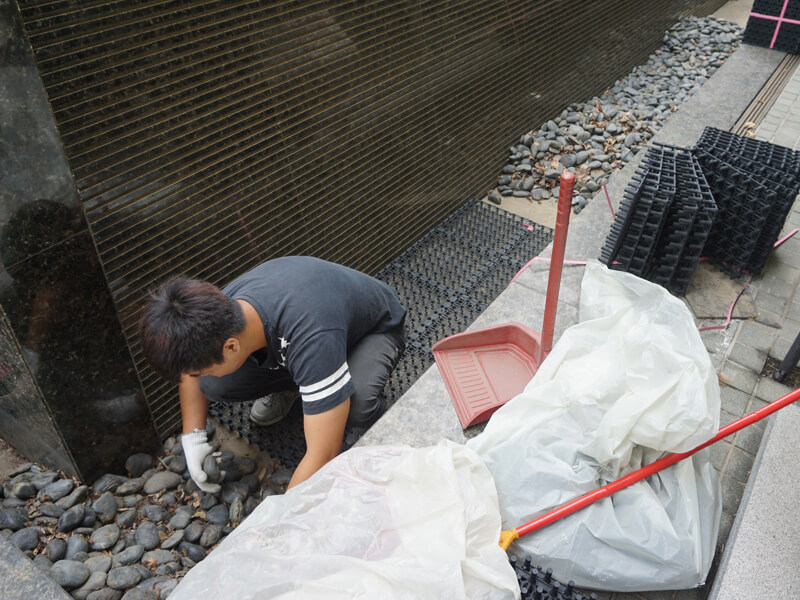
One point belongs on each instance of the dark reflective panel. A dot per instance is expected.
(25, 421)
(60, 309)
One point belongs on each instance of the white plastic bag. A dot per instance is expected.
(376, 522)
(627, 384)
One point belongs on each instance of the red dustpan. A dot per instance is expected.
(484, 368)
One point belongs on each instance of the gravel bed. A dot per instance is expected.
(134, 536)
(596, 138)
(129, 536)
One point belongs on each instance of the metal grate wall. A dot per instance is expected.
(208, 136)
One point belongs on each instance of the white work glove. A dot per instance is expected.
(195, 449)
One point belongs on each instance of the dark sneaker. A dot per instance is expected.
(271, 409)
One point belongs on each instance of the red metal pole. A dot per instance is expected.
(659, 465)
(556, 261)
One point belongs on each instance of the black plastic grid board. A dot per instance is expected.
(774, 24)
(727, 145)
(445, 280)
(536, 583)
(743, 206)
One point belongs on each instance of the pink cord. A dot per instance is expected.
(730, 312)
(535, 258)
(784, 238)
(608, 198)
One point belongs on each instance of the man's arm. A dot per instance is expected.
(194, 406)
(194, 409)
(324, 433)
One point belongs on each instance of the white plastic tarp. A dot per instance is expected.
(630, 382)
(377, 522)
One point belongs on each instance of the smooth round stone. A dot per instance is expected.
(89, 517)
(96, 564)
(14, 503)
(48, 509)
(181, 518)
(218, 514)
(494, 197)
(69, 574)
(57, 489)
(23, 489)
(23, 468)
(137, 464)
(236, 512)
(567, 160)
(105, 594)
(155, 513)
(147, 535)
(96, 581)
(121, 578)
(108, 483)
(211, 535)
(192, 551)
(126, 518)
(42, 562)
(131, 500)
(76, 545)
(161, 585)
(249, 505)
(161, 482)
(521, 194)
(71, 518)
(138, 593)
(169, 498)
(157, 557)
(132, 486)
(106, 507)
(176, 464)
(173, 540)
(13, 518)
(193, 532)
(26, 538)
(104, 537)
(79, 494)
(581, 157)
(168, 568)
(56, 549)
(207, 500)
(129, 555)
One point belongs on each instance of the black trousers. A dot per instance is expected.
(370, 361)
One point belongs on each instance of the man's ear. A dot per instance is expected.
(231, 345)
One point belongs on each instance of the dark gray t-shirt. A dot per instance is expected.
(313, 311)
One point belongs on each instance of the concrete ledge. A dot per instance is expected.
(761, 557)
(22, 580)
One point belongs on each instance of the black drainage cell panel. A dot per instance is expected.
(446, 280)
(538, 584)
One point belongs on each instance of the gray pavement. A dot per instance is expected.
(765, 322)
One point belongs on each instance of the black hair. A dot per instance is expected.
(185, 324)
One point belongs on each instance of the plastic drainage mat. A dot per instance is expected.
(446, 279)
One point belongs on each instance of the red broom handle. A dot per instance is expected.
(557, 261)
(646, 471)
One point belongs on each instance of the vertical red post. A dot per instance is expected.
(557, 261)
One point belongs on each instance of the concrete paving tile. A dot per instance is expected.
(768, 318)
(725, 418)
(793, 310)
(734, 401)
(780, 270)
(756, 403)
(712, 292)
(776, 287)
(732, 491)
(768, 389)
(747, 357)
(726, 521)
(767, 302)
(790, 328)
(739, 465)
(749, 438)
(780, 347)
(738, 377)
(756, 335)
(695, 594)
(719, 454)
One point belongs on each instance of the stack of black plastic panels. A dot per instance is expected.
(774, 24)
(663, 220)
(726, 199)
(754, 184)
(538, 584)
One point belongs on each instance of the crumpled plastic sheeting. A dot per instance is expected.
(377, 522)
(629, 383)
